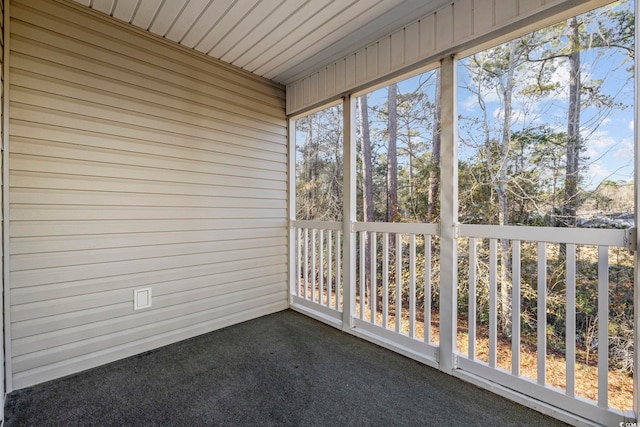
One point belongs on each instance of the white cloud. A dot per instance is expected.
(597, 172)
(601, 140)
(470, 103)
(625, 150)
(631, 125)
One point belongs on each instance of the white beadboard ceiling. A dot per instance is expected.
(282, 40)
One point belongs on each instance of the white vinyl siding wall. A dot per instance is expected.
(458, 26)
(134, 163)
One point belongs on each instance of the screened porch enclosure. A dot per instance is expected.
(512, 306)
(150, 194)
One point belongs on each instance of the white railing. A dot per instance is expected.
(391, 293)
(561, 243)
(318, 267)
(397, 278)
(395, 283)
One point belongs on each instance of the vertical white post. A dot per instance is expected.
(293, 248)
(349, 210)
(339, 281)
(398, 283)
(298, 262)
(472, 298)
(427, 288)
(412, 285)
(321, 268)
(373, 292)
(313, 264)
(603, 322)
(448, 213)
(329, 267)
(493, 303)
(542, 313)
(385, 280)
(515, 312)
(570, 286)
(305, 274)
(363, 278)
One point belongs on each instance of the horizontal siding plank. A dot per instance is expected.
(215, 319)
(177, 280)
(45, 276)
(50, 40)
(136, 117)
(102, 32)
(39, 58)
(176, 108)
(28, 213)
(30, 147)
(38, 180)
(82, 85)
(53, 244)
(199, 313)
(75, 258)
(99, 169)
(101, 127)
(74, 147)
(124, 298)
(225, 154)
(65, 228)
(165, 306)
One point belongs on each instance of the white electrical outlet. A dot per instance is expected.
(141, 298)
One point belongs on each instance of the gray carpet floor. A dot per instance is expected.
(284, 369)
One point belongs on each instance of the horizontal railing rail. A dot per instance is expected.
(318, 225)
(398, 227)
(577, 236)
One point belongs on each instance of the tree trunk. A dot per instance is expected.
(434, 174)
(310, 162)
(570, 205)
(367, 182)
(392, 177)
(501, 191)
(392, 155)
(367, 168)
